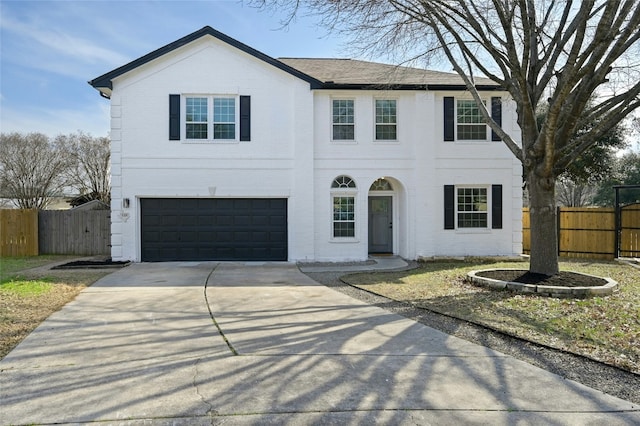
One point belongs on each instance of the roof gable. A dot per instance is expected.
(104, 83)
(320, 73)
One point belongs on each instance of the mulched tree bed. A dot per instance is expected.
(563, 279)
(92, 264)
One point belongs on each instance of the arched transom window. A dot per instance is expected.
(343, 182)
(381, 185)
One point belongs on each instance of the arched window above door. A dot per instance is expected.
(381, 184)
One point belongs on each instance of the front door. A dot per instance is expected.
(380, 225)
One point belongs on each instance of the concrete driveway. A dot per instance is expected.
(264, 344)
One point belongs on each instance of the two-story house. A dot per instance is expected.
(220, 152)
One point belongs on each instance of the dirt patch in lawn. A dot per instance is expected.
(21, 312)
(562, 279)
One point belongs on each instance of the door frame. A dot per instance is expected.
(391, 196)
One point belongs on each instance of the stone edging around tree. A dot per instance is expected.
(544, 290)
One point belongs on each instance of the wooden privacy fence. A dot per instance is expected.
(630, 231)
(82, 232)
(32, 232)
(18, 232)
(591, 232)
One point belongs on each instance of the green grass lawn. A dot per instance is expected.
(28, 296)
(604, 328)
(11, 265)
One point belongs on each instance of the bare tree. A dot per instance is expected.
(570, 193)
(90, 157)
(31, 170)
(565, 53)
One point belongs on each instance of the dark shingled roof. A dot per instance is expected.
(351, 72)
(319, 73)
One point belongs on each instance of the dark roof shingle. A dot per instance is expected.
(361, 73)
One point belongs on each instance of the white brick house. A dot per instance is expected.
(221, 152)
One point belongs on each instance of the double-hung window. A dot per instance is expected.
(211, 118)
(343, 190)
(197, 119)
(469, 120)
(471, 207)
(343, 120)
(224, 118)
(386, 119)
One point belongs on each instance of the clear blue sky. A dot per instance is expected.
(50, 49)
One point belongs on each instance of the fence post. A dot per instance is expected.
(617, 221)
(558, 227)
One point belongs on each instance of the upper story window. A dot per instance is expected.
(386, 119)
(211, 117)
(463, 120)
(197, 118)
(224, 118)
(343, 120)
(470, 123)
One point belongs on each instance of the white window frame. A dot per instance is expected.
(333, 124)
(455, 113)
(376, 124)
(487, 210)
(210, 117)
(344, 192)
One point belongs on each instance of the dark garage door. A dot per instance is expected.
(213, 229)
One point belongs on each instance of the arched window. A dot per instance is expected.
(344, 207)
(343, 182)
(381, 185)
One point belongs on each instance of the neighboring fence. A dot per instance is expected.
(81, 232)
(591, 232)
(32, 232)
(18, 232)
(630, 231)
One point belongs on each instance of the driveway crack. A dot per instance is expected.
(210, 410)
(213, 318)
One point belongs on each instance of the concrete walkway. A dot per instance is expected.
(141, 347)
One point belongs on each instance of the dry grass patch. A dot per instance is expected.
(603, 328)
(29, 296)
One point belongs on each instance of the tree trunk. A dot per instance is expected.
(544, 233)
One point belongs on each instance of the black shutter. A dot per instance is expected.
(245, 118)
(496, 206)
(449, 119)
(496, 114)
(174, 117)
(449, 207)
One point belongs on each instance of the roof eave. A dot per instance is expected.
(105, 81)
(390, 86)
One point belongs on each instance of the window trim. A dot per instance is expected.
(333, 124)
(210, 118)
(343, 192)
(456, 124)
(487, 212)
(376, 124)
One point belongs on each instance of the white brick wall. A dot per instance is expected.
(291, 155)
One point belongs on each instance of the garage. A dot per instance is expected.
(213, 229)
